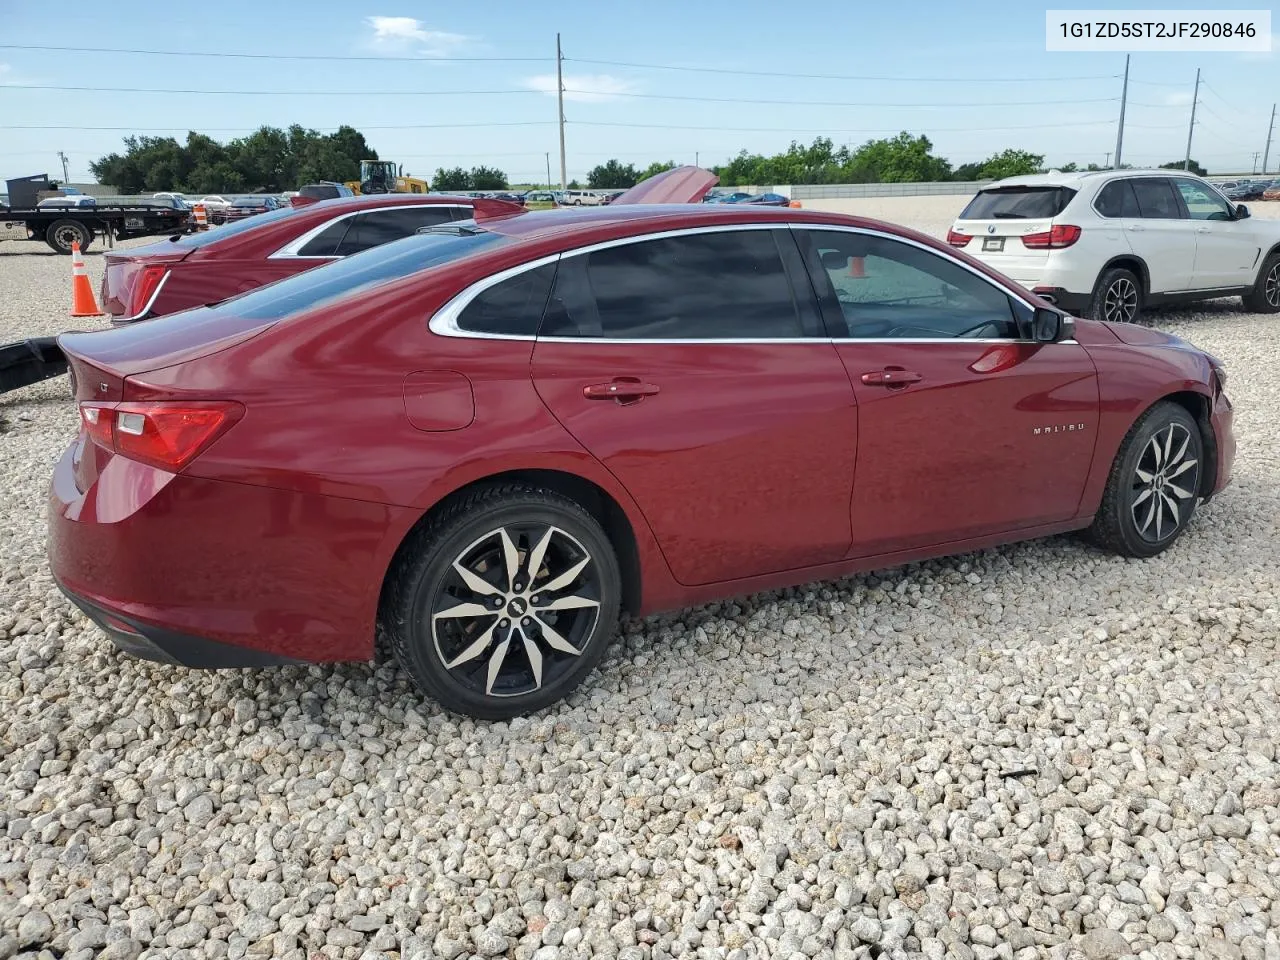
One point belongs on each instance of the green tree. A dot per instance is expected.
(1192, 167)
(968, 172)
(900, 159)
(488, 178)
(612, 175)
(653, 169)
(574, 185)
(1011, 163)
(1071, 167)
(449, 180)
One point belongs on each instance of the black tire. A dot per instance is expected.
(1265, 295)
(1152, 469)
(62, 232)
(464, 662)
(1117, 297)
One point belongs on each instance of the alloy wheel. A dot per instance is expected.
(1271, 287)
(516, 609)
(1165, 482)
(1120, 302)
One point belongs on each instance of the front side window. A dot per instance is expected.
(715, 285)
(1203, 203)
(888, 289)
(1156, 199)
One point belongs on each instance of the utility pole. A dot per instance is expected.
(564, 180)
(1186, 162)
(1256, 155)
(1266, 154)
(65, 176)
(1124, 99)
(1106, 164)
(548, 169)
(695, 159)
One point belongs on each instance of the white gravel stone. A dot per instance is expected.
(808, 772)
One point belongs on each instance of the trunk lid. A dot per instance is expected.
(686, 184)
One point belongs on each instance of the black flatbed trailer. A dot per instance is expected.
(59, 226)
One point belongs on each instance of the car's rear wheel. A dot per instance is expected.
(1265, 295)
(62, 233)
(502, 603)
(1117, 297)
(1154, 485)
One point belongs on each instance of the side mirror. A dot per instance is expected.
(1242, 212)
(1050, 326)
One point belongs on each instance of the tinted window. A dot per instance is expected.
(888, 289)
(1018, 203)
(1156, 199)
(377, 227)
(363, 271)
(233, 228)
(513, 307)
(325, 243)
(1117, 200)
(1203, 203)
(704, 286)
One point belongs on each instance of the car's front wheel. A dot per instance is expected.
(502, 603)
(1265, 295)
(1154, 485)
(1117, 297)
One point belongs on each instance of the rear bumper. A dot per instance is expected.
(212, 573)
(149, 642)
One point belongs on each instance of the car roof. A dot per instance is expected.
(1079, 178)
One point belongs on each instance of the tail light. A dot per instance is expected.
(145, 287)
(1058, 236)
(958, 239)
(168, 434)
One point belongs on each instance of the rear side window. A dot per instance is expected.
(363, 271)
(1116, 199)
(377, 227)
(325, 243)
(512, 308)
(718, 285)
(1018, 203)
(1156, 199)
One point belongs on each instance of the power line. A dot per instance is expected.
(843, 103)
(831, 76)
(271, 56)
(839, 129)
(396, 126)
(278, 93)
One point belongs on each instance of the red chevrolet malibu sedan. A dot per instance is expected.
(493, 437)
(190, 271)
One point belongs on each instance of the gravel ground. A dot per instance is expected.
(1034, 751)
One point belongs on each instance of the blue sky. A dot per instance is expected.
(470, 108)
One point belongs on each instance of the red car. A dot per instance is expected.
(492, 438)
(199, 268)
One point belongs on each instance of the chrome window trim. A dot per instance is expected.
(444, 322)
(150, 301)
(290, 250)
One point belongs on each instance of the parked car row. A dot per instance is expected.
(1250, 189)
(488, 439)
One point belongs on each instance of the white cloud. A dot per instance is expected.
(584, 87)
(408, 33)
(10, 78)
(1180, 99)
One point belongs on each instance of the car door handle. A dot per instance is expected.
(1134, 226)
(621, 389)
(891, 377)
(1202, 229)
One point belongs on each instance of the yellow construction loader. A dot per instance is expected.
(384, 176)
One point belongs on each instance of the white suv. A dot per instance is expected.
(1104, 245)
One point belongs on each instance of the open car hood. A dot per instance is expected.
(677, 185)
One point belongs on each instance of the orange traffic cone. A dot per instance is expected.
(202, 220)
(857, 268)
(82, 302)
(794, 204)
